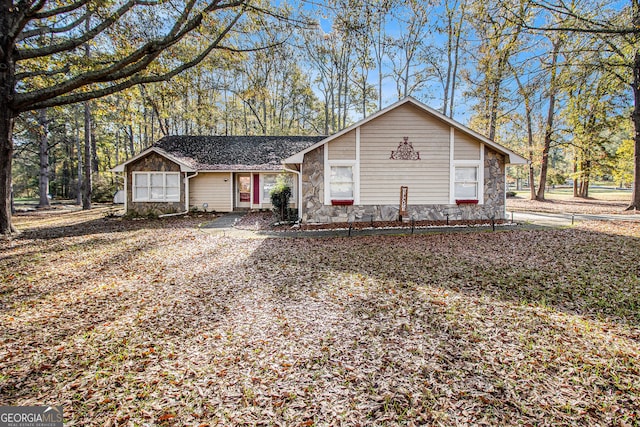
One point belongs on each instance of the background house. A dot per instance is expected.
(448, 170)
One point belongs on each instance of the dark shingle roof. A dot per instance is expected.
(235, 152)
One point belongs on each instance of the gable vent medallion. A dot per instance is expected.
(405, 151)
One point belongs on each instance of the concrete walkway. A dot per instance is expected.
(227, 220)
(224, 226)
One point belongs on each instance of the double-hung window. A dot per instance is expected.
(341, 183)
(466, 183)
(156, 186)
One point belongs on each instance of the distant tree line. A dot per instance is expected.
(554, 82)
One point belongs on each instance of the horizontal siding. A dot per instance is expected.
(344, 147)
(381, 177)
(211, 188)
(465, 147)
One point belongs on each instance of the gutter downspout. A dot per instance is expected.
(299, 173)
(186, 197)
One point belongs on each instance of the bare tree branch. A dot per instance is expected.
(134, 63)
(73, 43)
(135, 79)
(52, 30)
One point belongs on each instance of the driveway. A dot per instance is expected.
(564, 219)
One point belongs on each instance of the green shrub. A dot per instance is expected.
(103, 190)
(280, 196)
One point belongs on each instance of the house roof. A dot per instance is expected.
(228, 153)
(512, 156)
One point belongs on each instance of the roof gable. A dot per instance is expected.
(184, 167)
(512, 156)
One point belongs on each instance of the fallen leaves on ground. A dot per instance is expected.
(157, 323)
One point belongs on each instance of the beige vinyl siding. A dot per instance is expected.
(210, 188)
(343, 147)
(465, 147)
(381, 177)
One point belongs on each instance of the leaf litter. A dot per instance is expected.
(156, 323)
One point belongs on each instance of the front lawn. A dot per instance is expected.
(157, 323)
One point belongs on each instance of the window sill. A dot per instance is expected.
(342, 202)
(466, 202)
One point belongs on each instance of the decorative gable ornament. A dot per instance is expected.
(405, 151)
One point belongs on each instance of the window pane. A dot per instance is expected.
(173, 193)
(268, 182)
(173, 180)
(466, 174)
(157, 193)
(341, 190)
(140, 179)
(140, 193)
(341, 174)
(157, 179)
(157, 186)
(466, 190)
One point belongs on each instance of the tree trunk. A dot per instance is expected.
(7, 116)
(88, 170)
(456, 57)
(575, 177)
(79, 155)
(6, 154)
(43, 176)
(95, 165)
(87, 182)
(548, 132)
(635, 195)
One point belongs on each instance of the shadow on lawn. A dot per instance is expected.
(574, 270)
(79, 225)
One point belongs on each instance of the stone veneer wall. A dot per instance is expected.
(315, 211)
(153, 163)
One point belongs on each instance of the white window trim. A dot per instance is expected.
(327, 179)
(480, 177)
(267, 199)
(164, 187)
(355, 165)
(452, 173)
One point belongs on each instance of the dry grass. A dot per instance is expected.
(156, 323)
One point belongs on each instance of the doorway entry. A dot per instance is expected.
(243, 190)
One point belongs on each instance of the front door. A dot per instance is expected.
(243, 191)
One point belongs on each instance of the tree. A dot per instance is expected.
(131, 44)
(499, 40)
(455, 15)
(410, 73)
(551, 112)
(618, 30)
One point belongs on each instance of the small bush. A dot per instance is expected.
(280, 196)
(103, 190)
